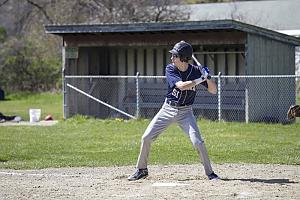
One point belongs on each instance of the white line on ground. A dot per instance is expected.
(168, 184)
(32, 174)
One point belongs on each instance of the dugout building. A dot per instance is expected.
(226, 46)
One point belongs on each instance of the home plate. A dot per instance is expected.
(168, 184)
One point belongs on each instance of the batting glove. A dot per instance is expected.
(205, 72)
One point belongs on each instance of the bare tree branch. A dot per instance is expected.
(3, 3)
(41, 9)
(120, 11)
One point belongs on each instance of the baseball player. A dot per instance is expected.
(182, 79)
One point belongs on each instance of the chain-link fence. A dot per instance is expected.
(239, 98)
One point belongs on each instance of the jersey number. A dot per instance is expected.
(175, 93)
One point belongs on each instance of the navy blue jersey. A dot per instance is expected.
(185, 97)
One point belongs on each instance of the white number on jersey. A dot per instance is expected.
(175, 93)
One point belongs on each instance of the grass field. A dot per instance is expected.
(82, 141)
(19, 104)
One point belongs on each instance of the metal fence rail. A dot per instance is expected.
(261, 98)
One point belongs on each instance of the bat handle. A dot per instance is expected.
(199, 64)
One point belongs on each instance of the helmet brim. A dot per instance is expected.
(173, 51)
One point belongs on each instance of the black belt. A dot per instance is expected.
(174, 104)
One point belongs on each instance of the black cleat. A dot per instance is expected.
(140, 173)
(213, 176)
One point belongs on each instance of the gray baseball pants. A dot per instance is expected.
(166, 116)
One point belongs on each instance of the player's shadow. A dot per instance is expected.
(268, 181)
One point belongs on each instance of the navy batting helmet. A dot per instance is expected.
(183, 49)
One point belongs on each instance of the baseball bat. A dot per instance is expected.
(199, 64)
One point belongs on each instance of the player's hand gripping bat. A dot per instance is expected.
(204, 70)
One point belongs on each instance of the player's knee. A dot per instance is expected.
(197, 142)
(146, 138)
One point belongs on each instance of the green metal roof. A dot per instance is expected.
(201, 26)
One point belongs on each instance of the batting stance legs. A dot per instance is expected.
(167, 115)
(182, 78)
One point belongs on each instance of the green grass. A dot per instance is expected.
(19, 104)
(90, 142)
(82, 141)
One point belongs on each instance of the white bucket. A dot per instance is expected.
(35, 115)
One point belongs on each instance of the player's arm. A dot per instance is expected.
(211, 86)
(188, 85)
(185, 85)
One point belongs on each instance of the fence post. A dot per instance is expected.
(64, 87)
(137, 96)
(219, 96)
(65, 96)
(246, 106)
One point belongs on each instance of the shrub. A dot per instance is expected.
(23, 68)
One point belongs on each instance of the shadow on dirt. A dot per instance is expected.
(268, 181)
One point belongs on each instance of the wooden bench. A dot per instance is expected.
(152, 96)
(231, 99)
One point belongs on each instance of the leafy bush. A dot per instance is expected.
(24, 68)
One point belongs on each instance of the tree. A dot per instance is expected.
(41, 12)
(23, 69)
(31, 58)
(119, 11)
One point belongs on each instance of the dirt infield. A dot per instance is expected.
(239, 181)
